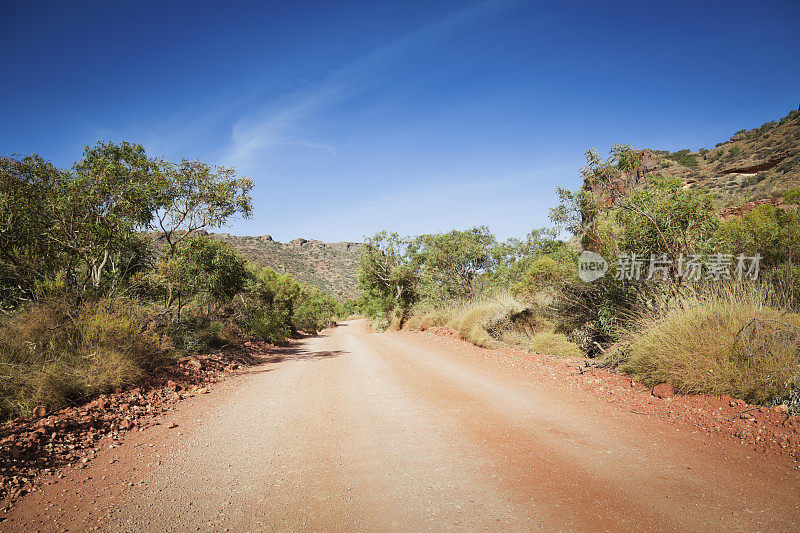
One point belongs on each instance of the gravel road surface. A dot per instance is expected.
(354, 430)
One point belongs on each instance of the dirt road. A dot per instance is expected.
(352, 430)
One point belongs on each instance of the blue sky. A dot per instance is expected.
(414, 116)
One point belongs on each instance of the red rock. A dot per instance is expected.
(173, 386)
(126, 424)
(39, 411)
(781, 408)
(664, 390)
(16, 452)
(102, 403)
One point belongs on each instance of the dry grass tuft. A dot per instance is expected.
(426, 319)
(552, 343)
(55, 356)
(730, 340)
(500, 320)
(481, 322)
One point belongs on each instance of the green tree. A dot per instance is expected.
(201, 267)
(113, 192)
(27, 255)
(77, 225)
(452, 262)
(660, 217)
(315, 310)
(657, 217)
(388, 274)
(196, 196)
(270, 297)
(665, 218)
(577, 214)
(515, 256)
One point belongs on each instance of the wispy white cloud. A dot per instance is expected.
(330, 150)
(271, 123)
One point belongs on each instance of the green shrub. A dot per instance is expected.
(200, 332)
(685, 158)
(268, 325)
(378, 322)
(792, 196)
(301, 307)
(377, 308)
(314, 312)
(548, 270)
(766, 230)
(733, 152)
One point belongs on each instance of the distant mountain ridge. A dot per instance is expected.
(332, 267)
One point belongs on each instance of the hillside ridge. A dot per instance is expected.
(330, 266)
(753, 167)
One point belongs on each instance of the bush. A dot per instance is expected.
(501, 320)
(546, 270)
(423, 320)
(378, 322)
(53, 354)
(596, 314)
(735, 340)
(268, 325)
(767, 230)
(377, 308)
(315, 311)
(685, 158)
(792, 196)
(497, 321)
(552, 343)
(482, 322)
(301, 307)
(200, 332)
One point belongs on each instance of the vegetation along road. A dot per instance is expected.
(352, 429)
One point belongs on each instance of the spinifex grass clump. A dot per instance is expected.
(735, 340)
(55, 354)
(503, 320)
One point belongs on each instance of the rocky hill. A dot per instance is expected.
(332, 267)
(754, 166)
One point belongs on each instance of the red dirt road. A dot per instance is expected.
(353, 430)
